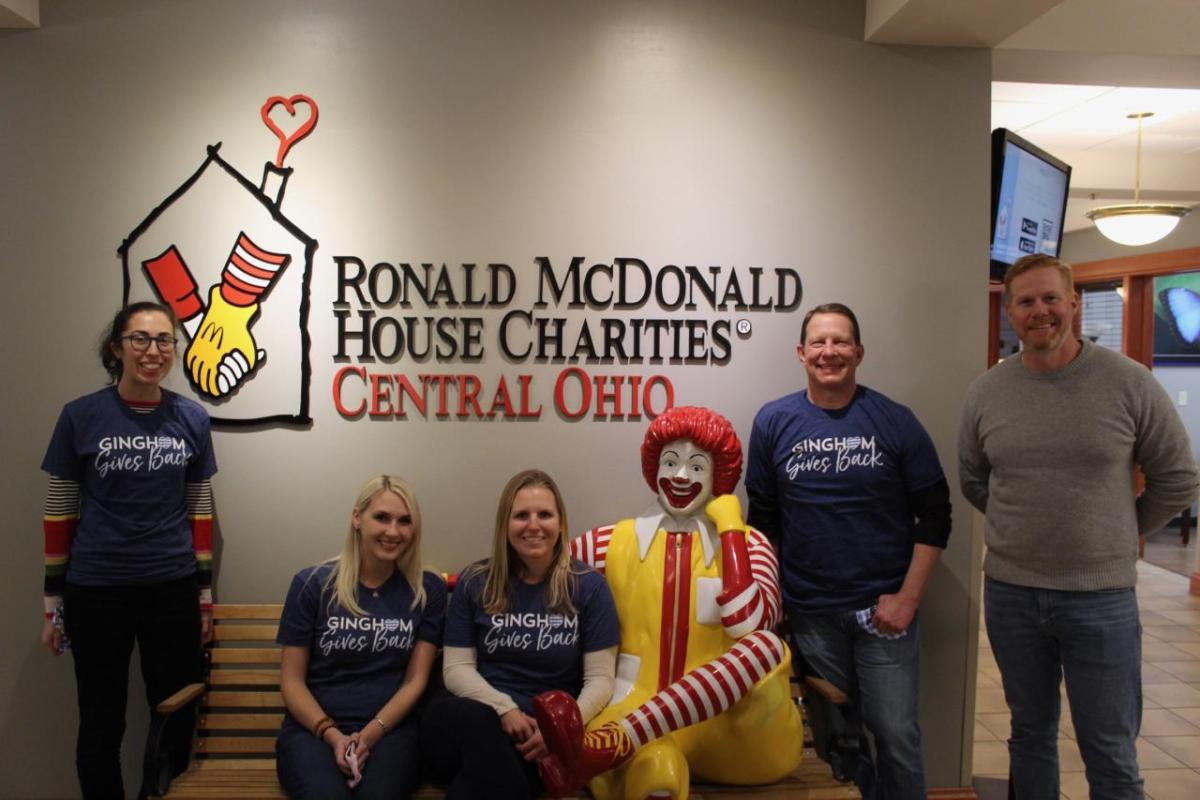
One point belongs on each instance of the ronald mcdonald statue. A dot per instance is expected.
(702, 682)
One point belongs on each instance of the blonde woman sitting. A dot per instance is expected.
(359, 636)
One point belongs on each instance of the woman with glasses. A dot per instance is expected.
(128, 540)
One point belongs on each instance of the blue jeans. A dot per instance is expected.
(306, 766)
(1094, 641)
(880, 676)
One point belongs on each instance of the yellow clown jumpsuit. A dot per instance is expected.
(670, 625)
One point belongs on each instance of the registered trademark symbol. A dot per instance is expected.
(743, 327)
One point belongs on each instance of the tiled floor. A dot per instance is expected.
(1165, 549)
(1169, 747)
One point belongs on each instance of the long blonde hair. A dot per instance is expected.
(342, 583)
(506, 565)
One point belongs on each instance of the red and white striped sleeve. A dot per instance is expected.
(757, 607)
(764, 565)
(249, 272)
(592, 547)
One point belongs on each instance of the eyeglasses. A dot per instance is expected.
(141, 341)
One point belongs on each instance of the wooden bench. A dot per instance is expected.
(239, 713)
(240, 710)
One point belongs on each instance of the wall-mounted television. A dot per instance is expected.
(1029, 201)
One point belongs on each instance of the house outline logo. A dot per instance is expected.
(244, 307)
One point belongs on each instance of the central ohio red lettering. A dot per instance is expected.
(381, 395)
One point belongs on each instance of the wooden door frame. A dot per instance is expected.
(1137, 274)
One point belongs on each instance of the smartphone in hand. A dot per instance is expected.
(352, 760)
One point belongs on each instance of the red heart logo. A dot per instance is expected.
(303, 129)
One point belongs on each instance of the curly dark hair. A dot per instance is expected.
(113, 333)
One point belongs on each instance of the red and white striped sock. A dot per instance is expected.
(706, 691)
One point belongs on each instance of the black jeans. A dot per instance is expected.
(465, 749)
(103, 624)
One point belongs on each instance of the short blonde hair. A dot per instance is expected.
(1037, 261)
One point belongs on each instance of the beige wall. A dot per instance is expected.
(735, 134)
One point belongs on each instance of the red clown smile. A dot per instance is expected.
(678, 495)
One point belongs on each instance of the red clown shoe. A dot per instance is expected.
(575, 757)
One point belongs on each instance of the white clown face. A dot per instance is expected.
(685, 478)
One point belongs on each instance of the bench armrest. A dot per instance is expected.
(160, 764)
(826, 689)
(181, 698)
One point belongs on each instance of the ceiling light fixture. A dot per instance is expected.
(1137, 223)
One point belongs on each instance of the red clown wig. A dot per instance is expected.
(706, 429)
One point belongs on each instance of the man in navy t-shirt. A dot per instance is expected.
(848, 485)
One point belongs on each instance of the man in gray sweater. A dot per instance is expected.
(1047, 448)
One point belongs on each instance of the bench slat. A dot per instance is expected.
(203, 792)
(221, 784)
(243, 699)
(244, 677)
(240, 722)
(224, 611)
(236, 779)
(246, 655)
(237, 765)
(245, 633)
(235, 744)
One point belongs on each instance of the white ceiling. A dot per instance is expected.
(1088, 127)
(1067, 73)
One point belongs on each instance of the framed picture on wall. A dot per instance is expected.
(1177, 318)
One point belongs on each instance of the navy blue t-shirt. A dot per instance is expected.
(132, 469)
(356, 664)
(526, 650)
(841, 482)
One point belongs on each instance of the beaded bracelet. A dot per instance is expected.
(322, 725)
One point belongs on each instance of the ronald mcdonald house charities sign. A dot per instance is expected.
(583, 318)
(579, 338)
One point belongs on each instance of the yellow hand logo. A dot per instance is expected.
(223, 352)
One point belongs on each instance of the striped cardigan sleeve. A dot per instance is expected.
(200, 515)
(60, 516)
